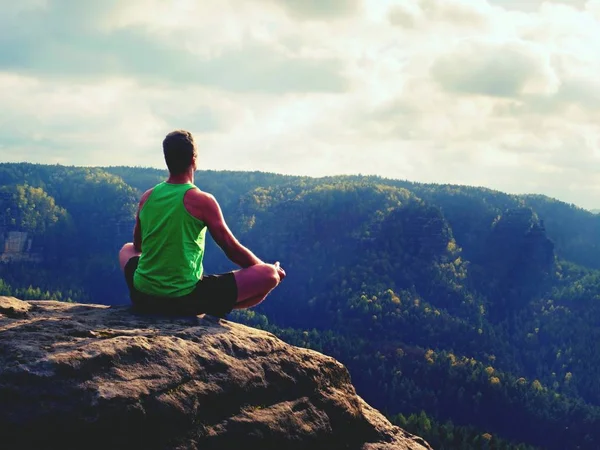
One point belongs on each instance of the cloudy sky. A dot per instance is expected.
(496, 93)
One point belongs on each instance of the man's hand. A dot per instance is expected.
(280, 271)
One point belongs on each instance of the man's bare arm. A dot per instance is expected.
(137, 235)
(207, 209)
(137, 229)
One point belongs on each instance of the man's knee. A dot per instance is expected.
(128, 247)
(270, 275)
(126, 252)
(256, 281)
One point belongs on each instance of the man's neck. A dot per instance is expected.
(182, 178)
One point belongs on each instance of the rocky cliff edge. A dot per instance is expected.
(76, 376)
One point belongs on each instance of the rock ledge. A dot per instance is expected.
(78, 376)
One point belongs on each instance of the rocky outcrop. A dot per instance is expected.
(78, 376)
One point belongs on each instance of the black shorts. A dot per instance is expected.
(214, 294)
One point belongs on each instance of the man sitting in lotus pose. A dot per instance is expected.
(163, 266)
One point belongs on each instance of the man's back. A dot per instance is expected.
(172, 243)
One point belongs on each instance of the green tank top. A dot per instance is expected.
(172, 244)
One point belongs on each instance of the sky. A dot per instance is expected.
(497, 93)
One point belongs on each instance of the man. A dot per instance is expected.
(163, 266)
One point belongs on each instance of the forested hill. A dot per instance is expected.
(467, 315)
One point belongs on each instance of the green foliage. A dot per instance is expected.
(77, 219)
(447, 436)
(465, 314)
(30, 209)
(35, 293)
(472, 393)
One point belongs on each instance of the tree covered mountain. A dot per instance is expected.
(467, 314)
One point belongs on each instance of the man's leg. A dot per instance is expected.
(254, 284)
(127, 252)
(249, 303)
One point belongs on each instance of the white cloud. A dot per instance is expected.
(535, 5)
(504, 69)
(457, 16)
(496, 93)
(318, 9)
(67, 38)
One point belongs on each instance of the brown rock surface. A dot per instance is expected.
(88, 376)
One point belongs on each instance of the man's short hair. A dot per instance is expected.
(179, 149)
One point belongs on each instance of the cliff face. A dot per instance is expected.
(89, 376)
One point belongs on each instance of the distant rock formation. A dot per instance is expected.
(78, 376)
(17, 247)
